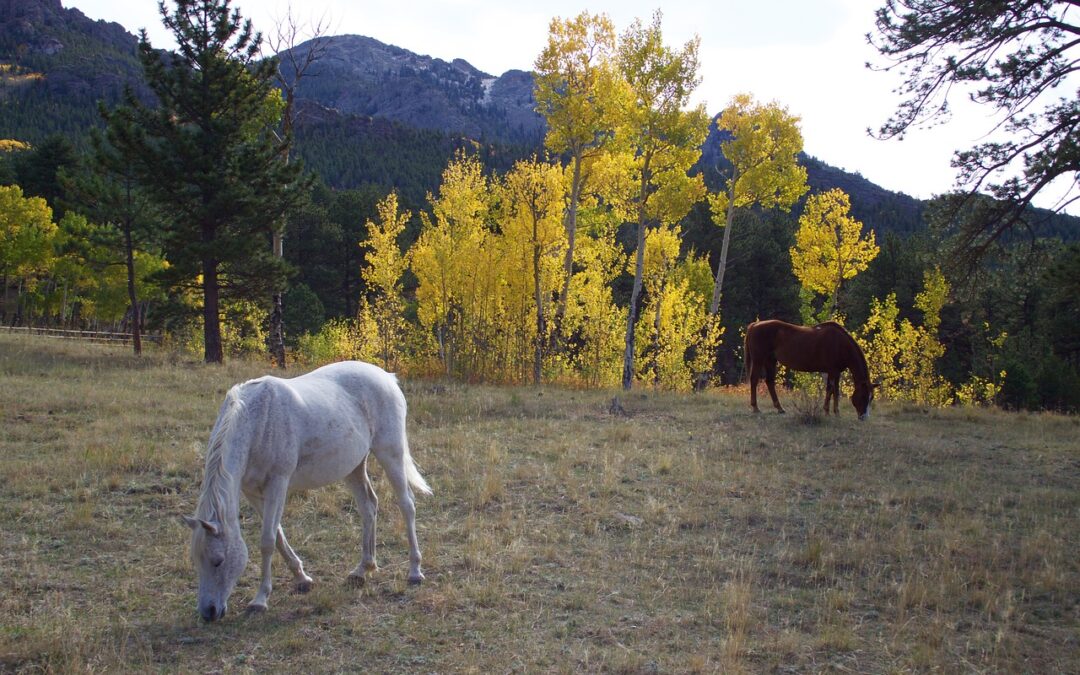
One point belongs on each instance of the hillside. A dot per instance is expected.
(372, 113)
(57, 65)
(350, 150)
(361, 76)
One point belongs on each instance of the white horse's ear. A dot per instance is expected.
(211, 528)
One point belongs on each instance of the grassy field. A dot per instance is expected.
(684, 536)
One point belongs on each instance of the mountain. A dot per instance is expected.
(362, 76)
(55, 64)
(872, 204)
(369, 113)
(348, 150)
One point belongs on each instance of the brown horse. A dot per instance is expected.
(824, 348)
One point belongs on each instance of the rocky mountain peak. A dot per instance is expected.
(46, 27)
(360, 75)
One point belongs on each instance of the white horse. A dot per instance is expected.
(273, 436)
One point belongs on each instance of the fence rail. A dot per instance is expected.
(101, 337)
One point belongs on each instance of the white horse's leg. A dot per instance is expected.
(273, 506)
(392, 460)
(368, 504)
(301, 581)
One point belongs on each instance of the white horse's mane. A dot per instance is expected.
(213, 500)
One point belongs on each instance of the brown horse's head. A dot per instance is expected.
(862, 397)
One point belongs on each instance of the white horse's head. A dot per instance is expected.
(219, 555)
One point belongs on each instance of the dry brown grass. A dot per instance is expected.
(688, 536)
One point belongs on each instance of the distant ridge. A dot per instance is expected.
(362, 76)
(60, 63)
(371, 112)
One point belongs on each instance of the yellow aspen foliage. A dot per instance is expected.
(829, 246)
(13, 145)
(762, 149)
(26, 235)
(533, 242)
(663, 136)
(385, 261)
(339, 340)
(980, 391)
(922, 348)
(880, 341)
(594, 324)
(381, 319)
(676, 293)
(580, 94)
(901, 356)
(448, 258)
(576, 83)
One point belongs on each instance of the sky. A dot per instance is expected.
(809, 56)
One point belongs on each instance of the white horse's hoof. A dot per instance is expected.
(356, 580)
(303, 585)
(256, 608)
(416, 580)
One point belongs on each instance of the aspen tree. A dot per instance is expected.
(762, 149)
(663, 136)
(578, 92)
(829, 246)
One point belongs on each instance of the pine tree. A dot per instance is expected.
(205, 153)
(107, 192)
(1018, 60)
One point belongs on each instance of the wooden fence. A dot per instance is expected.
(84, 335)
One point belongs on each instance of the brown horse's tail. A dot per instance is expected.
(748, 359)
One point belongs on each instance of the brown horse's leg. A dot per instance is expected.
(831, 389)
(836, 393)
(755, 374)
(770, 381)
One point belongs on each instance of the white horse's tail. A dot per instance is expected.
(412, 474)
